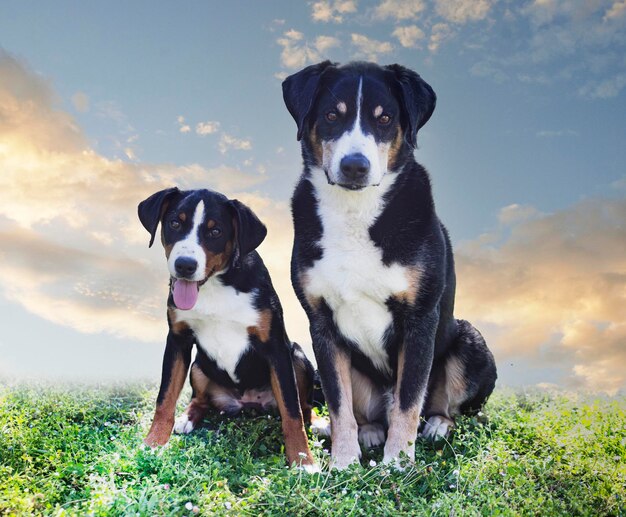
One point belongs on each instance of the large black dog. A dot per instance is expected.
(222, 300)
(372, 264)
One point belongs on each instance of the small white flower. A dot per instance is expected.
(189, 505)
(344, 492)
(455, 473)
(372, 463)
(228, 505)
(302, 454)
(107, 424)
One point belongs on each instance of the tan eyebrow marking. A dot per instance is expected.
(182, 216)
(378, 111)
(342, 108)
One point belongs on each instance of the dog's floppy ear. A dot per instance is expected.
(418, 100)
(249, 231)
(299, 91)
(151, 210)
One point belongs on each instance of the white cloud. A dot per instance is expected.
(616, 11)
(298, 52)
(551, 289)
(207, 128)
(182, 126)
(73, 249)
(324, 43)
(579, 44)
(228, 142)
(516, 213)
(409, 36)
(369, 48)
(399, 10)
(130, 153)
(440, 33)
(605, 88)
(462, 11)
(327, 11)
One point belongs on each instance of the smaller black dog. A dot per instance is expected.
(222, 300)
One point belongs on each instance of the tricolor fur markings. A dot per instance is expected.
(372, 264)
(222, 301)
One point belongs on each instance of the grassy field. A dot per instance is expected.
(77, 451)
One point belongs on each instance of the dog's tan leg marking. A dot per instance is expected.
(296, 442)
(402, 424)
(199, 405)
(163, 420)
(343, 426)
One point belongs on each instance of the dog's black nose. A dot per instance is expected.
(354, 166)
(185, 266)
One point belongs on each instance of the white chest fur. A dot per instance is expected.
(351, 276)
(220, 321)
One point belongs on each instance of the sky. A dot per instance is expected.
(104, 103)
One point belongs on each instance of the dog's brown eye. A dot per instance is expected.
(174, 224)
(215, 232)
(383, 120)
(331, 116)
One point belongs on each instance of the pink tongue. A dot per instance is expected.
(185, 294)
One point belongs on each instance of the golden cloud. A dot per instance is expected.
(552, 288)
(73, 249)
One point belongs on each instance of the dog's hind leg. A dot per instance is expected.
(460, 383)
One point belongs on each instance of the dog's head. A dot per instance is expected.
(203, 233)
(357, 121)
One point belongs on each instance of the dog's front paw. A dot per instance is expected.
(155, 441)
(310, 468)
(342, 457)
(399, 455)
(371, 435)
(160, 432)
(320, 425)
(183, 425)
(437, 427)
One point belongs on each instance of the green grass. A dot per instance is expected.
(78, 450)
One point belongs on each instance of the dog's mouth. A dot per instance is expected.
(352, 186)
(185, 292)
(347, 186)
